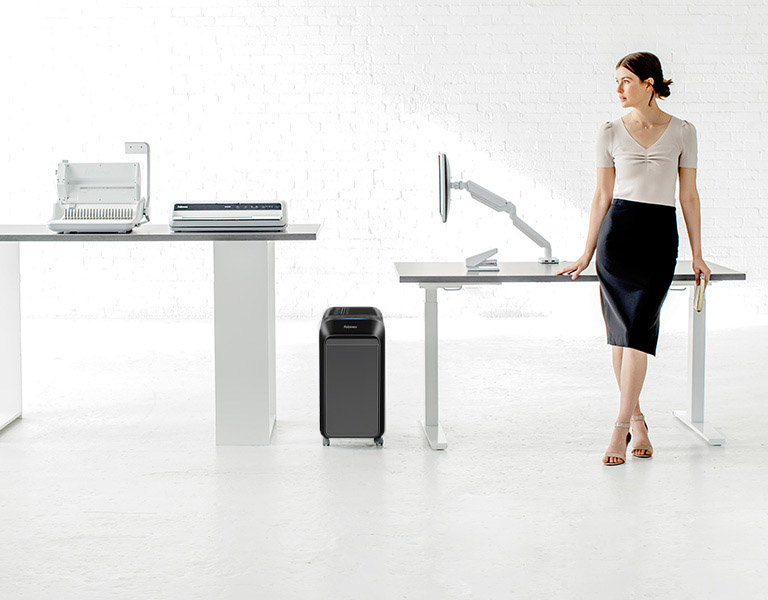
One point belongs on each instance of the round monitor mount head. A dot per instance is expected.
(444, 185)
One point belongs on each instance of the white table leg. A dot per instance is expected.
(10, 334)
(244, 322)
(697, 332)
(431, 423)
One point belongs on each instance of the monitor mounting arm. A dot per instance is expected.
(498, 204)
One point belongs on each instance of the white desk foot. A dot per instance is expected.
(435, 436)
(8, 418)
(709, 433)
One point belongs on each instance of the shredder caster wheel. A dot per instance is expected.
(378, 441)
(326, 442)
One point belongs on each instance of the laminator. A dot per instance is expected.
(229, 216)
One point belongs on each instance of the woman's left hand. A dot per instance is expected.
(700, 268)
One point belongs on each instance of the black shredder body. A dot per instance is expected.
(352, 373)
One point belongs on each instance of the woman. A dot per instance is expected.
(634, 231)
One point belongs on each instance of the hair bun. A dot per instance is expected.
(662, 89)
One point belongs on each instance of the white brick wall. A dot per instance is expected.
(340, 108)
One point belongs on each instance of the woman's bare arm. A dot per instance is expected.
(691, 205)
(601, 202)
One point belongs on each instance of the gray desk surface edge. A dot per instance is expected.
(156, 233)
(521, 272)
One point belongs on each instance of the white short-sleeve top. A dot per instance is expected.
(647, 174)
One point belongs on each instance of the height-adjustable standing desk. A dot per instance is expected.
(244, 319)
(434, 276)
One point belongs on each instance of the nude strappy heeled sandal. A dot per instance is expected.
(647, 447)
(623, 457)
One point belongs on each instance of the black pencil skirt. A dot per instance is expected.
(636, 258)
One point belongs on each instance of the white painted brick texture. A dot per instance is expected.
(340, 108)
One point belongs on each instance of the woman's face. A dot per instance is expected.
(632, 92)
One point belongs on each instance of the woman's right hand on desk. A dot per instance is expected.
(576, 268)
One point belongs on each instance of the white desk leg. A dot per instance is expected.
(697, 332)
(244, 322)
(10, 334)
(431, 423)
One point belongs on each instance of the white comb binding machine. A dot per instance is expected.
(101, 197)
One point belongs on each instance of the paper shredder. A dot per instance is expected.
(352, 374)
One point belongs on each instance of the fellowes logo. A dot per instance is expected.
(350, 326)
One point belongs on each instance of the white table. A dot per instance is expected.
(452, 276)
(244, 319)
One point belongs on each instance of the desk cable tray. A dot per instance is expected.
(101, 197)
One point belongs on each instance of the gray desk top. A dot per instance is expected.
(154, 233)
(456, 273)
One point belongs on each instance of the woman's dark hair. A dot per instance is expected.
(645, 65)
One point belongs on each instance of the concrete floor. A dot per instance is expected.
(112, 486)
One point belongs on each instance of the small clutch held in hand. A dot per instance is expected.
(700, 293)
